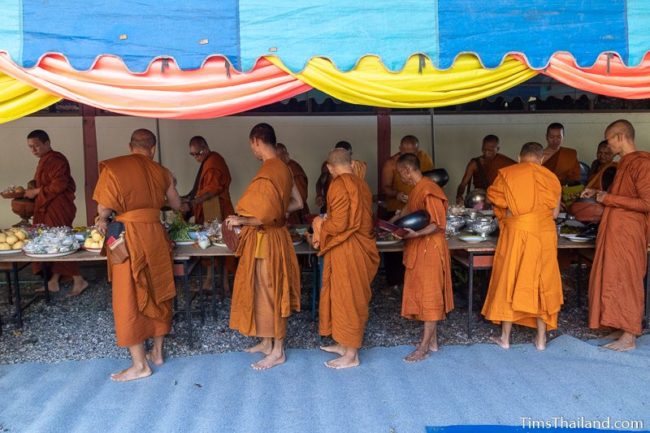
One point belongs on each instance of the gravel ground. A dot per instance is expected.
(82, 327)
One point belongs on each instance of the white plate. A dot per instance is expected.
(295, 243)
(92, 250)
(471, 239)
(219, 244)
(574, 223)
(388, 243)
(184, 243)
(578, 239)
(10, 252)
(568, 235)
(49, 256)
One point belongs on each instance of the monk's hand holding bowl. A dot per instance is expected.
(588, 193)
(600, 196)
(31, 193)
(410, 234)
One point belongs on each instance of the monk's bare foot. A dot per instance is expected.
(155, 358)
(625, 342)
(334, 348)
(502, 343)
(261, 347)
(540, 342)
(417, 355)
(52, 287)
(78, 288)
(433, 346)
(269, 361)
(131, 373)
(343, 362)
(615, 335)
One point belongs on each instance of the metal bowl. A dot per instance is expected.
(438, 175)
(414, 221)
(484, 226)
(476, 199)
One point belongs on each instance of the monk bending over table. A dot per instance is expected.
(347, 244)
(267, 281)
(428, 295)
(616, 289)
(134, 187)
(525, 286)
(300, 180)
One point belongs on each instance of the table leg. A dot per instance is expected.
(201, 294)
(18, 307)
(213, 285)
(45, 271)
(316, 286)
(188, 302)
(470, 294)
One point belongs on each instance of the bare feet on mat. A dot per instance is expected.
(540, 342)
(334, 348)
(343, 362)
(269, 361)
(78, 288)
(264, 347)
(625, 342)
(501, 342)
(417, 355)
(433, 346)
(155, 358)
(131, 373)
(614, 335)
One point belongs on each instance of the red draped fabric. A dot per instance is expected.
(163, 91)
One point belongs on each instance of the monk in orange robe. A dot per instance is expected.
(427, 295)
(347, 244)
(267, 282)
(359, 169)
(396, 194)
(616, 289)
(134, 188)
(301, 182)
(482, 170)
(603, 169)
(210, 195)
(526, 286)
(209, 198)
(54, 203)
(562, 161)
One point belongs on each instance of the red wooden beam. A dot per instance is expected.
(383, 142)
(91, 169)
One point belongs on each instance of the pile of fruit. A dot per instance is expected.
(12, 239)
(13, 192)
(94, 241)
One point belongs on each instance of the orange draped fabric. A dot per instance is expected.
(392, 204)
(595, 179)
(351, 260)
(267, 282)
(164, 90)
(428, 294)
(608, 76)
(359, 168)
(143, 287)
(488, 170)
(215, 180)
(564, 163)
(526, 282)
(616, 288)
(54, 205)
(301, 181)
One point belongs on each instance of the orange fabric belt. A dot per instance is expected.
(531, 222)
(147, 215)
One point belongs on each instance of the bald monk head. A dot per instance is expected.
(283, 153)
(490, 147)
(199, 148)
(554, 135)
(620, 137)
(262, 141)
(408, 168)
(143, 142)
(409, 144)
(531, 152)
(339, 161)
(38, 142)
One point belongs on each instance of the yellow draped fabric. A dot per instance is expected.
(18, 99)
(418, 85)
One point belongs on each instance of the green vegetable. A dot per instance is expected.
(179, 230)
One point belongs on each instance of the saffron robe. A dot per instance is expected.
(301, 182)
(564, 163)
(214, 179)
(392, 204)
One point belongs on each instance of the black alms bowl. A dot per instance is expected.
(438, 175)
(414, 221)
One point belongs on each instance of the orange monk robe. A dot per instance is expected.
(428, 292)
(143, 286)
(350, 259)
(392, 204)
(564, 163)
(54, 205)
(267, 282)
(359, 168)
(487, 170)
(526, 282)
(595, 179)
(301, 182)
(616, 289)
(214, 180)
